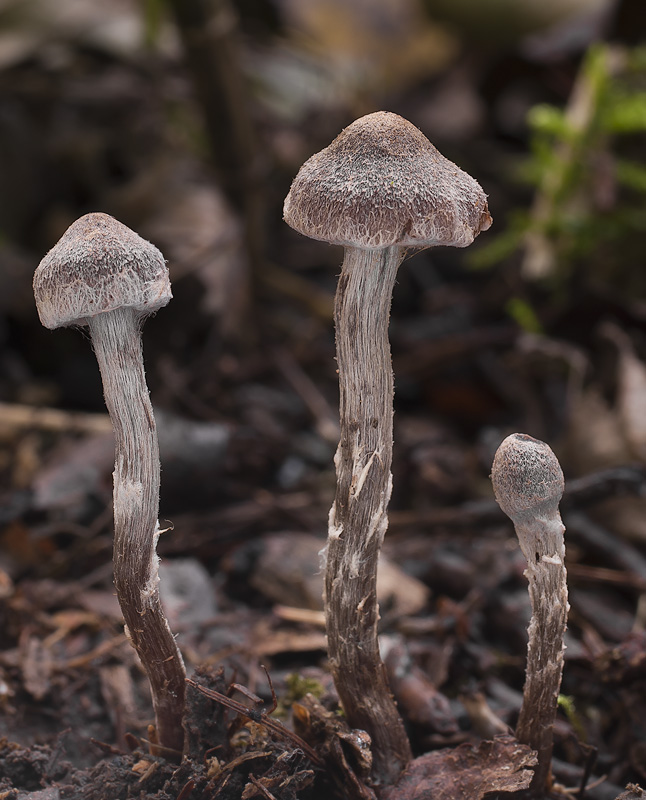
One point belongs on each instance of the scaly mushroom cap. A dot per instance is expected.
(382, 183)
(99, 265)
(527, 477)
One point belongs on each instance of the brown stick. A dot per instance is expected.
(209, 31)
(52, 419)
(261, 718)
(358, 518)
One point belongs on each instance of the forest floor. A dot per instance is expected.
(243, 379)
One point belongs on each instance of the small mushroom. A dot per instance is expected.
(378, 189)
(104, 276)
(528, 485)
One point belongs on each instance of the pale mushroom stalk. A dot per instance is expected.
(104, 276)
(528, 484)
(358, 518)
(116, 338)
(378, 189)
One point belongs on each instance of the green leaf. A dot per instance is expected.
(524, 315)
(631, 174)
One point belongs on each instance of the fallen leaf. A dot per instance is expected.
(631, 391)
(421, 702)
(36, 666)
(589, 411)
(498, 765)
(290, 568)
(633, 792)
(625, 662)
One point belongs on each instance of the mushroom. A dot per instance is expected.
(104, 276)
(378, 189)
(528, 485)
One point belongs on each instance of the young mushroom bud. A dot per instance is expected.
(104, 276)
(379, 189)
(528, 485)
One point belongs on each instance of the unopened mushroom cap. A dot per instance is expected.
(382, 183)
(527, 477)
(99, 265)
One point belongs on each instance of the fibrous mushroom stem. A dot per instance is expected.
(528, 485)
(117, 343)
(542, 543)
(358, 518)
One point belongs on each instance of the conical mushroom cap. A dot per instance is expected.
(382, 183)
(526, 476)
(99, 265)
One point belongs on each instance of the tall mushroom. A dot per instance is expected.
(104, 276)
(528, 485)
(379, 189)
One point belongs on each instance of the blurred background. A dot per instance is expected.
(187, 120)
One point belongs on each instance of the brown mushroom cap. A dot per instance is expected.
(526, 476)
(99, 265)
(382, 183)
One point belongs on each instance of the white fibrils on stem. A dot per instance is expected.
(379, 189)
(528, 485)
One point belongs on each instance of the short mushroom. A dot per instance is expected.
(528, 485)
(104, 276)
(379, 189)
